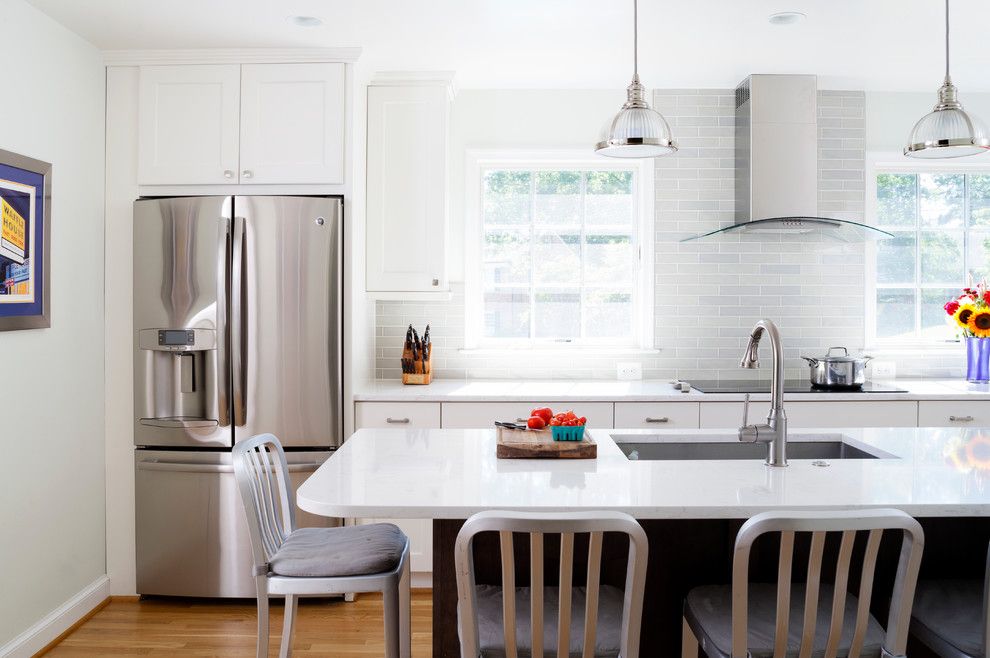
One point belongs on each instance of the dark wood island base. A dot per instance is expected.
(684, 554)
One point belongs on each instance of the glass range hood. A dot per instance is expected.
(803, 229)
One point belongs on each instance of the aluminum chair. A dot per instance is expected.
(952, 617)
(293, 562)
(610, 623)
(753, 619)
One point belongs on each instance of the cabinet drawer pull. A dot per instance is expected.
(227, 173)
(662, 419)
(397, 421)
(961, 419)
(522, 420)
(247, 173)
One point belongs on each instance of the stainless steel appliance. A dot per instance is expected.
(842, 372)
(790, 386)
(237, 305)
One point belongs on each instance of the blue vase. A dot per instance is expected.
(978, 359)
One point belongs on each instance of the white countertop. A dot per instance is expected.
(451, 474)
(505, 390)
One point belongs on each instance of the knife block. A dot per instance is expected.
(423, 377)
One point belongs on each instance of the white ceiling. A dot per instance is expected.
(862, 44)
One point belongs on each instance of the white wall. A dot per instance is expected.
(51, 400)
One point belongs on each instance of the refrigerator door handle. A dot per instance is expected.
(223, 330)
(238, 322)
(193, 467)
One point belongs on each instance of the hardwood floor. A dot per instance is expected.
(199, 627)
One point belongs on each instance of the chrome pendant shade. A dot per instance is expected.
(948, 131)
(637, 131)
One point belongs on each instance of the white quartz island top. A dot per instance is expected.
(451, 474)
(646, 390)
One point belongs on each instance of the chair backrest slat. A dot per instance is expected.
(784, 571)
(536, 591)
(839, 594)
(811, 594)
(508, 587)
(865, 592)
(262, 475)
(567, 525)
(564, 598)
(591, 596)
(819, 524)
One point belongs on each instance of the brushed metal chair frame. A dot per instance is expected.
(269, 502)
(536, 525)
(875, 522)
(940, 646)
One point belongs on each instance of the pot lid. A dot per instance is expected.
(845, 357)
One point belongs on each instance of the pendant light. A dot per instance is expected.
(637, 131)
(948, 131)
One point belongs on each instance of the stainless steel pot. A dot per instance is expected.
(837, 371)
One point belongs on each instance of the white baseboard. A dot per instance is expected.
(421, 580)
(57, 621)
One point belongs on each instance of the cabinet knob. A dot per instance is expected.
(436, 282)
(227, 173)
(397, 421)
(961, 419)
(247, 173)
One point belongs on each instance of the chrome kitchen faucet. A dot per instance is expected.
(774, 431)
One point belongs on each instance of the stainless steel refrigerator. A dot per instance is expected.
(237, 330)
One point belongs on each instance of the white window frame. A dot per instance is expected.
(893, 162)
(479, 161)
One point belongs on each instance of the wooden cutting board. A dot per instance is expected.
(539, 444)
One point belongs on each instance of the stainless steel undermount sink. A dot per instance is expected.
(649, 448)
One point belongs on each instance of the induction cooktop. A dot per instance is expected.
(790, 386)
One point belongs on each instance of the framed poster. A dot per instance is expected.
(25, 242)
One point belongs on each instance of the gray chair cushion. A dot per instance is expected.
(334, 552)
(709, 611)
(950, 611)
(492, 641)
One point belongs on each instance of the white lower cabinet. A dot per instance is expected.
(479, 415)
(954, 413)
(413, 415)
(873, 413)
(656, 415)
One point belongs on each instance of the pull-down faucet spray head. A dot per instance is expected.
(751, 359)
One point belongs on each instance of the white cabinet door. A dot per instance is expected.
(419, 415)
(407, 179)
(656, 415)
(868, 413)
(953, 413)
(292, 123)
(188, 124)
(482, 415)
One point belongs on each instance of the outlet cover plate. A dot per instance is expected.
(884, 369)
(629, 370)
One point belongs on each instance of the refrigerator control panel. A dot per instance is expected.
(176, 337)
(177, 340)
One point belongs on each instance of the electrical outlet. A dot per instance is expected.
(629, 370)
(884, 370)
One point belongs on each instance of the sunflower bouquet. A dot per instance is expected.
(971, 311)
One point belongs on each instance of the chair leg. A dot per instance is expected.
(261, 583)
(390, 600)
(689, 643)
(289, 621)
(405, 628)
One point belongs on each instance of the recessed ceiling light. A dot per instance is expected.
(786, 18)
(305, 21)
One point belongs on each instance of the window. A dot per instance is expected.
(555, 254)
(941, 223)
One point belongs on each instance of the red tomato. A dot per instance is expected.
(535, 423)
(569, 415)
(582, 420)
(546, 413)
(554, 422)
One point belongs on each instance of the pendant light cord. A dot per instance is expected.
(636, 38)
(948, 79)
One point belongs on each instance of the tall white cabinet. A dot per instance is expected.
(249, 124)
(408, 123)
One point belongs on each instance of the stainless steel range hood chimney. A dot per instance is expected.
(777, 163)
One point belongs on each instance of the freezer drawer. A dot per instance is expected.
(192, 536)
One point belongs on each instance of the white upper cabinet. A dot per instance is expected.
(407, 181)
(188, 124)
(247, 124)
(292, 123)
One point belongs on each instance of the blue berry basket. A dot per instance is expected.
(567, 432)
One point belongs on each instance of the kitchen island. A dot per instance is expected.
(690, 508)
